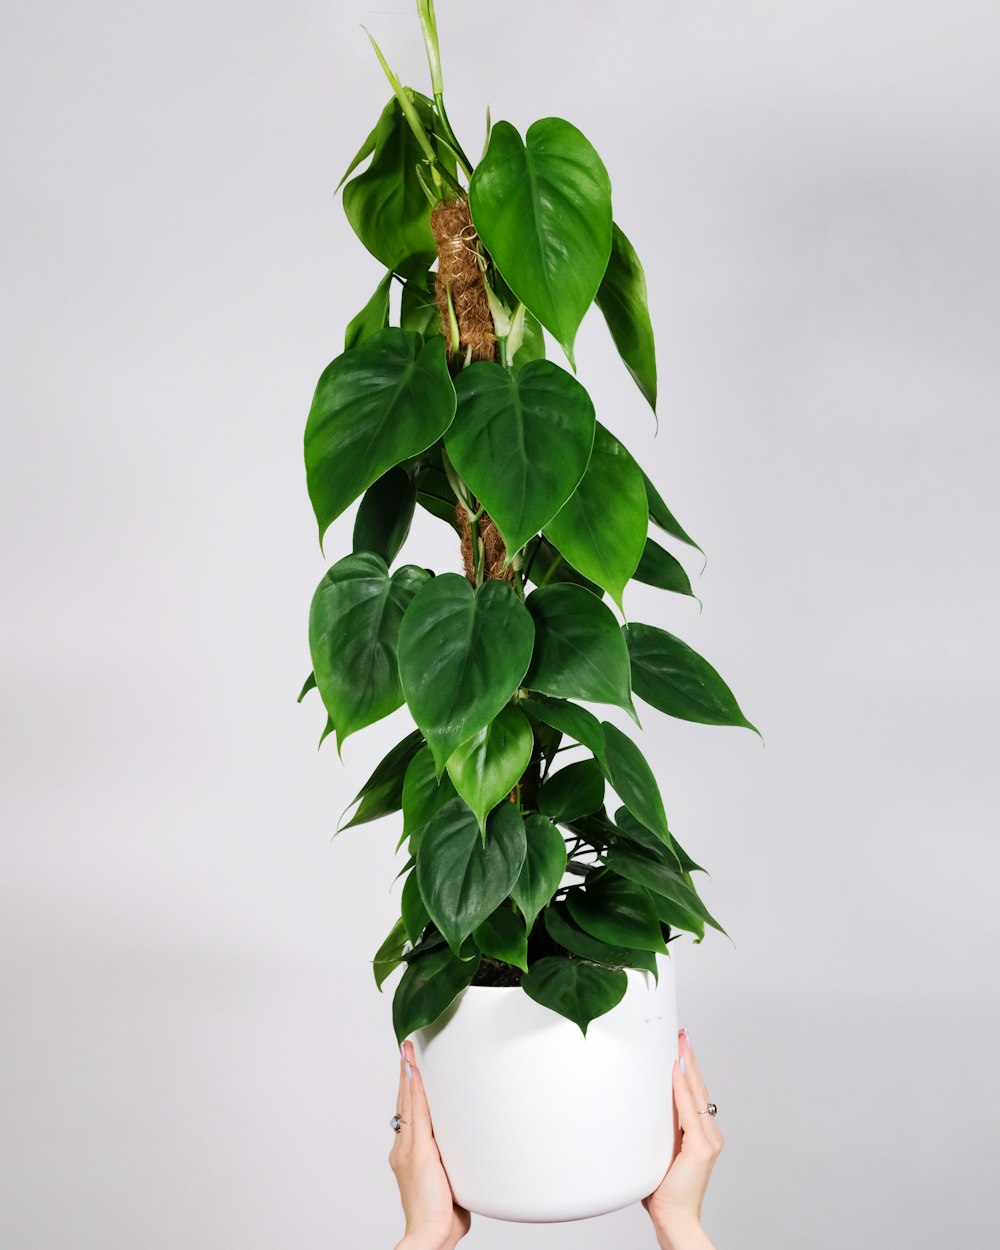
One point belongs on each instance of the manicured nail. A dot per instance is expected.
(687, 1037)
(409, 1072)
(682, 1066)
(402, 1050)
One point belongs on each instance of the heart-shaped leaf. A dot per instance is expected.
(574, 791)
(424, 794)
(418, 308)
(354, 626)
(543, 210)
(622, 300)
(381, 403)
(382, 793)
(411, 904)
(372, 318)
(579, 724)
(672, 677)
(659, 568)
(601, 530)
(462, 654)
(390, 954)
(543, 867)
(562, 928)
(633, 781)
(579, 991)
(617, 911)
(578, 647)
(544, 565)
(385, 514)
(662, 880)
(462, 880)
(428, 987)
(503, 936)
(386, 204)
(521, 443)
(661, 515)
(643, 841)
(486, 769)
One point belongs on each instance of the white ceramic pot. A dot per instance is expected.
(536, 1122)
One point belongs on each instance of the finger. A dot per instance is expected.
(402, 1089)
(406, 1102)
(687, 1109)
(692, 1071)
(420, 1111)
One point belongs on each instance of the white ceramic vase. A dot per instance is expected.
(537, 1123)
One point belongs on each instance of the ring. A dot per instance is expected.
(711, 1109)
(397, 1122)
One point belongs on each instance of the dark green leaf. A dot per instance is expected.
(503, 936)
(428, 987)
(602, 529)
(618, 912)
(661, 880)
(385, 514)
(354, 625)
(676, 680)
(543, 211)
(486, 769)
(386, 205)
(382, 793)
(633, 781)
(372, 318)
(574, 791)
(562, 928)
(579, 991)
(418, 308)
(415, 916)
(436, 496)
(424, 794)
(639, 837)
(462, 880)
(544, 565)
(390, 954)
(579, 650)
(521, 443)
(462, 654)
(310, 684)
(663, 517)
(579, 724)
(659, 568)
(381, 403)
(543, 867)
(622, 300)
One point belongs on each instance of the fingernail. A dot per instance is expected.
(402, 1050)
(682, 1066)
(687, 1037)
(409, 1072)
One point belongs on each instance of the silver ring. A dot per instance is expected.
(711, 1109)
(397, 1122)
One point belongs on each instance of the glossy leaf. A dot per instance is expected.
(643, 841)
(385, 515)
(362, 154)
(576, 790)
(602, 529)
(623, 301)
(542, 208)
(576, 722)
(633, 781)
(661, 880)
(386, 204)
(308, 684)
(424, 794)
(435, 495)
(562, 928)
(532, 344)
(372, 318)
(672, 677)
(521, 442)
(354, 625)
(486, 769)
(382, 793)
(462, 654)
(503, 936)
(411, 904)
(428, 987)
(618, 912)
(579, 651)
(375, 406)
(544, 566)
(543, 867)
(661, 515)
(390, 954)
(659, 568)
(418, 308)
(579, 991)
(462, 880)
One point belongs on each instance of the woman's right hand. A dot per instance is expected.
(675, 1205)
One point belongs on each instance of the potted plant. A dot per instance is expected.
(535, 912)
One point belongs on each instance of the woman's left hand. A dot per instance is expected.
(433, 1220)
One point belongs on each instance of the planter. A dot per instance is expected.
(537, 1123)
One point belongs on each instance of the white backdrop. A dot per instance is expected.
(193, 1052)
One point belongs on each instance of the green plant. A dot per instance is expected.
(456, 410)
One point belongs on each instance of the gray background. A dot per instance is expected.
(193, 1050)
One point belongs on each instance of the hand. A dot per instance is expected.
(675, 1206)
(433, 1221)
